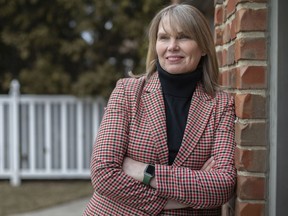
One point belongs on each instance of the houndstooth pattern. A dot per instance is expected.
(134, 125)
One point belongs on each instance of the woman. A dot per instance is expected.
(166, 141)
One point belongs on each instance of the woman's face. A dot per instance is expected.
(177, 53)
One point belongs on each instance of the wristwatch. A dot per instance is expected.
(149, 173)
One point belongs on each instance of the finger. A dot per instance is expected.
(210, 165)
(207, 163)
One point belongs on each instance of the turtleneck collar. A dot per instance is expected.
(179, 85)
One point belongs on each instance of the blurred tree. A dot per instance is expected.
(72, 46)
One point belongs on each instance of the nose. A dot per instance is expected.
(173, 45)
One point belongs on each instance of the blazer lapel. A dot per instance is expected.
(199, 114)
(154, 105)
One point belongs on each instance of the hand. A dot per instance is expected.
(173, 204)
(208, 164)
(133, 168)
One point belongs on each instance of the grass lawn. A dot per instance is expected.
(32, 195)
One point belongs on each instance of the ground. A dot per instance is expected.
(32, 195)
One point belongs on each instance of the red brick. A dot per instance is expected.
(228, 78)
(224, 57)
(254, 1)
(251, 20)
(251, 134)
(246, 208)
(227, 34)
(247, 105)
(218, 36)
(218, 15)
(243, 77)
(224, 79)
(233, 30)
(231, 6)
(251, 187)
(251, 77)
(250, 49)
(219, 58)
(251, 160)
(250, 106)
(230, 58)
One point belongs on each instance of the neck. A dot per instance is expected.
(180, 85)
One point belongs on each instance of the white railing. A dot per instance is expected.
(46, 137)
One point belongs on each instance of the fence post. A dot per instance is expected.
(14, 133)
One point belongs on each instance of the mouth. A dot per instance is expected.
(174, 58)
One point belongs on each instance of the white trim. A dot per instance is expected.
(48, 140)
(37, 119)
(273, 108)
(32, 138)
(79, 136)
(64, 149)
(2, 138)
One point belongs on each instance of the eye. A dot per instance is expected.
(162, 37)
(183, 36)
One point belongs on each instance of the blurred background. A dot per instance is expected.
(59, 62)
(78, 47)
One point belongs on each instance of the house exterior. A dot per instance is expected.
(251, 43)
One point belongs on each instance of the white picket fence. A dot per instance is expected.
(47, 137)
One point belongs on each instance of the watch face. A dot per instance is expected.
(151, 170)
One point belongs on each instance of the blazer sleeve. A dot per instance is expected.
(203, 189)
(108, 178)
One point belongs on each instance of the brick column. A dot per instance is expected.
(241, 40)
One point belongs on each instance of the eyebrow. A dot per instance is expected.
(166, 33)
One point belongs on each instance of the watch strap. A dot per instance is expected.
(147, 179)
(149, 173)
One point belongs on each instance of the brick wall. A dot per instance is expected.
(241, 43)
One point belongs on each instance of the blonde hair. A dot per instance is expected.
(192, 23)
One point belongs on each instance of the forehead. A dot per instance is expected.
(169, 25)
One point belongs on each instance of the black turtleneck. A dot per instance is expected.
(177, 91)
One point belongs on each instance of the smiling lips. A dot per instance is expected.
(174, 58)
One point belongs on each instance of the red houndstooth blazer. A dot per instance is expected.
(134, 125)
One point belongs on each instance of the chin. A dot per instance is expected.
(175, 71)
